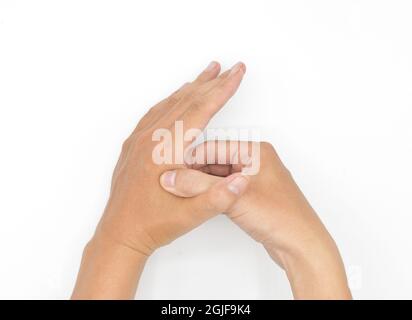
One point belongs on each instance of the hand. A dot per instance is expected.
(140, 216)
(139, 213)
(274, 212)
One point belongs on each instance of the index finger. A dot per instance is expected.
(202, 107)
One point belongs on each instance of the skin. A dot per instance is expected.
(140, 216)
(151, 205)
(274, 212)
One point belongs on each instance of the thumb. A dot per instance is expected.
(210, 194)
(187, 182)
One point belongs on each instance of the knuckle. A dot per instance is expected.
(267, 148)
(218, 200)
(142, 138)
(173, 99)
(180, 95)
(266, 145)
(126, 143)
(196, 103)
(152, 110)
(267, 153)
(210, 202)
(221, 88)
(204, 105)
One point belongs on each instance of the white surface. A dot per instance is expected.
(328, 82)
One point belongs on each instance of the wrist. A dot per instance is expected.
(109, 270)
(115, 227)
(110, 236)
(104, 244)
(314, 268)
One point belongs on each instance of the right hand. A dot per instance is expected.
(274, 212)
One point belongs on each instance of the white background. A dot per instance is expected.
(329, 83)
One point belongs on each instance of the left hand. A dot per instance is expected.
(139, 213)
(140, 216)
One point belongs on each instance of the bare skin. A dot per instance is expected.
(274, 212)
(151, 205)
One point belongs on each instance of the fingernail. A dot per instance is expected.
(237, 185)
(238, 66)
(169, 179)
(211, 66)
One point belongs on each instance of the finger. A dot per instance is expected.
(225, 74)
(220, 170)
(196, 109)
(157, 110)
(206, 87)
(210, 73)
(187, 182)
(223, 152)
(221, 196)
(201, 108)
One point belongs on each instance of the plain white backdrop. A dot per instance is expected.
(329, 83)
